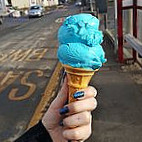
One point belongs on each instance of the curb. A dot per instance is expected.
(49, 93)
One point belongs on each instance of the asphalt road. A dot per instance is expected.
(27, 61)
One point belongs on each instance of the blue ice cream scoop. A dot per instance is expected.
(79, 55)
(79, 42)
(81, 28)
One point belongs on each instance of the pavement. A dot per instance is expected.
(118, 117)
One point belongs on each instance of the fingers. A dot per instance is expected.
(79, 133)
(76, 120)
(85, 93)
(90, 92)
(82, 105)
(86, 101)
(64, 89)
(77, 123)
(61, 97)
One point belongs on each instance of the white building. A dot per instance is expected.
(28, 3)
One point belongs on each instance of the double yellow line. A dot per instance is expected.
(48, 94)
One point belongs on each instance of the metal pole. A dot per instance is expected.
(120, 30)
(135, 16)
(115, 27)
(91, 5)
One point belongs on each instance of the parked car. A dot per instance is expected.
(36, 11)
(10, 10)
(78, 3)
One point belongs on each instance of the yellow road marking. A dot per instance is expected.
(46, 96)
(37, 55)
(24, 81)
(20, 55)
(8, 79)
(24, 55)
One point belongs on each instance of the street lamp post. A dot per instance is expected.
(91, 6)
(115, 28)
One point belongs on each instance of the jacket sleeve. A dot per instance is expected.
(37, 133)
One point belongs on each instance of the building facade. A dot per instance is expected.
(27, 3)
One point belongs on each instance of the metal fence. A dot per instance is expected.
(140, 25)
(128, 23)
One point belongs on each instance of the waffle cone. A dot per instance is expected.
(78, 78)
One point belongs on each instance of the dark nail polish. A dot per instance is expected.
(78, 94)
(64, 110)
(61, 123)
(69, 140)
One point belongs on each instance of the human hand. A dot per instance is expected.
(70, 122)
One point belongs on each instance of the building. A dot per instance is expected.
(27, 3)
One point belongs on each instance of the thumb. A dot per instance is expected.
(62, 96)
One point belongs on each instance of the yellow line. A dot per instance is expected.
(46, 96)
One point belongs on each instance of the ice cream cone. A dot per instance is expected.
(78, 78)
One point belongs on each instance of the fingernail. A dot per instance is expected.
(61, 123)
(78, 94)
(64, 110)
(69, 140)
